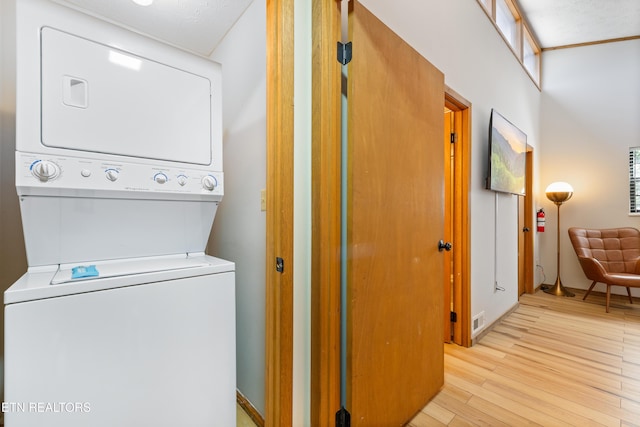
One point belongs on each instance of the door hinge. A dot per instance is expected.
(279, 265)
(344, 53)
(454, 137)
(454, 317)
(343, 418)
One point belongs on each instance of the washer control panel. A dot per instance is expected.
(73, 176)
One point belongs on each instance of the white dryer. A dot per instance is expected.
(121, 319)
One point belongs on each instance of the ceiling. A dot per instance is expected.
(199, 25)
(558, 23)
(195, 25)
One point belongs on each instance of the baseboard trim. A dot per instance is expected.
(488, 329)
(249, 409)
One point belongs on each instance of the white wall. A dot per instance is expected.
(302, 215)
(239, 228)
(590, 117)
(457, 37)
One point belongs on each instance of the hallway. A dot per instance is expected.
(552, 362)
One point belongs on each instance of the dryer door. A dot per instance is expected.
(97, 98)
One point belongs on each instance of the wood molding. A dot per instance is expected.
(251, 410)
(461, 217)
(279, 222)
(568, 46)
(528, 222)
(326, 213)
(449, 285)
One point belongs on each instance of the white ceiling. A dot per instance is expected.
(196, 25)
(199, 25)
(566, 22)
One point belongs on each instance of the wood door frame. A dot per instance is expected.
(279, 221)
(326, 212)
(529, 213)
(449, 182)
(461, 109)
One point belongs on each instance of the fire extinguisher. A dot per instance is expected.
(540, 220)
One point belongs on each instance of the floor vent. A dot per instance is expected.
(478, 322)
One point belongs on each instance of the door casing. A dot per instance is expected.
(459, 216)
(525, 238)
(279, 221)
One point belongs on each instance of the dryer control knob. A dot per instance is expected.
(112, 174)
(45, 170)
(182, 180)
(209, 183)
(160, 178)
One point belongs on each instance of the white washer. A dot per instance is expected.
(148, 346)
(118, 167)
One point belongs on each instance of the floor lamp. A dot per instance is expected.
(558, 193)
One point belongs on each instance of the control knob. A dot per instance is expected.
(209, 182)
(112, 174)
(182, 180)
(45, 170)
(160, 178)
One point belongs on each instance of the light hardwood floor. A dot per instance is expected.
(243, 419)
(554, 361)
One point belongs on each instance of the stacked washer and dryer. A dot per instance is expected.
(121, 319)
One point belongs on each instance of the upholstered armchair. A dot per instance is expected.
(609, 256)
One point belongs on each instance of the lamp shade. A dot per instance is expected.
(559, 192)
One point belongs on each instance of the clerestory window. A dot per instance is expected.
(510, 23)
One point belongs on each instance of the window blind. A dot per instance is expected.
(634, 180)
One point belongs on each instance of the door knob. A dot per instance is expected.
(442, 246)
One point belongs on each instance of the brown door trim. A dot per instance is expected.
(326, 213)
(528, 222)
(461, 217)
(279, 222)
(525, 238)
(447, 256)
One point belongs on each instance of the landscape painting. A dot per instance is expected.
(508, 153)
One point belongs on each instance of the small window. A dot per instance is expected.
(510, 23)
(634, 180)
(507, 22)
(530, 56)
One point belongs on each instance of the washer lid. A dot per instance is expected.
(38, 283)
(73, 273)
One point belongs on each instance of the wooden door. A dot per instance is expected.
(395, 219)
